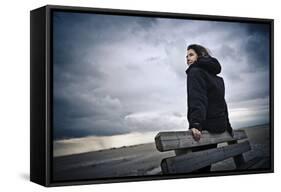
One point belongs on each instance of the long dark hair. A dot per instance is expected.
(199, 50)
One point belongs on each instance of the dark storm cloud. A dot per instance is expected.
(243, 50)
(118, 74)
(257, 46)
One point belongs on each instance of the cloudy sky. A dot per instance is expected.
(117, 75)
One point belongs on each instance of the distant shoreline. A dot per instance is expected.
(135, 145)
(266, 125)
(145, 159)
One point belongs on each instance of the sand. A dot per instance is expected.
(144, 159)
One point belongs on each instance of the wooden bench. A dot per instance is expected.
(188, 154)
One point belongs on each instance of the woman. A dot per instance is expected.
(207, 109)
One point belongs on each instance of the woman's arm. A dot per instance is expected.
(197, 98)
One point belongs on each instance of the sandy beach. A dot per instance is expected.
(144, 159)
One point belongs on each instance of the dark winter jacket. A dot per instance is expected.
(207, 109)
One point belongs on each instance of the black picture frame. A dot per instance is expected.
(41, 85)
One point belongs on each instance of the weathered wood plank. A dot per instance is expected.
(238, 159)
(166, 141)
(192, 161)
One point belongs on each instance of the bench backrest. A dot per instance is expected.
(166, 141)
(187, 161)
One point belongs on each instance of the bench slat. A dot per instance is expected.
(196, 160)
(166, 141)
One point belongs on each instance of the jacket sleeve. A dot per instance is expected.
(197, 98)
(229, 127)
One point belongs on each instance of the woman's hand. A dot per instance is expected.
(196, 134)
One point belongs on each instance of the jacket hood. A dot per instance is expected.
(209, 64)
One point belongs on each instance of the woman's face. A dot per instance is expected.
(191, 56)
